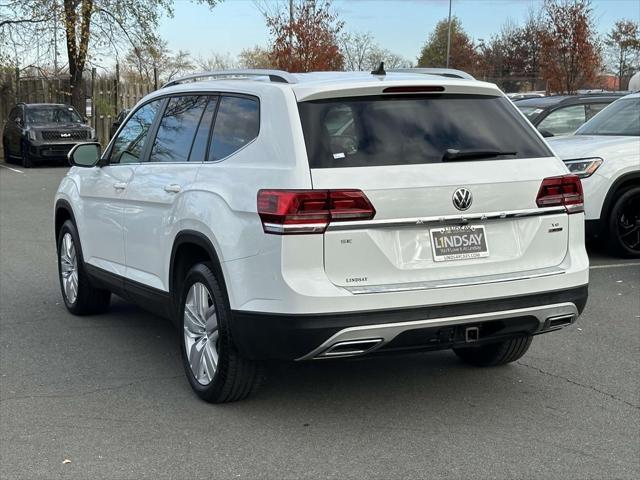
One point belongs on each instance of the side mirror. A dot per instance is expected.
(85, 155)
(18, 121)
(546, 133)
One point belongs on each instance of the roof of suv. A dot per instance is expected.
(38, 105)
(317, 85)
(557, 100)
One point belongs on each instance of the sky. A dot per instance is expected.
(401, 26)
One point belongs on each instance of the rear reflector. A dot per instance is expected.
(563, 191)
(310, 211)
(414, 89)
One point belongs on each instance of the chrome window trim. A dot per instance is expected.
(460, 219)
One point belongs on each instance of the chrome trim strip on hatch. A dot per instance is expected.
(389, 331)
(455, 282)
(455, 219)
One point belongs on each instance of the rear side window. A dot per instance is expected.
(237, 123)
(402, 130)
(177, 129)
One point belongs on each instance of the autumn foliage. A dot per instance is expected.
(463, 53)
(307, 42)
(570, 56)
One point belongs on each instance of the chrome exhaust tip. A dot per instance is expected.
(350, 348)
(559, 321)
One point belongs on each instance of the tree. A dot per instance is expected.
(216, 61)
(623, 50)
(309, 40)
(356, 49)
(153, 58)
(256, 57)
(512, 57)
(362, 53)
(91, 25)
(501, 59)
(530, 39)
(434, 52)
(570, 54)
(391, 60)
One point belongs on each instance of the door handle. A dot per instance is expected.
(120, 185)
(173, 188)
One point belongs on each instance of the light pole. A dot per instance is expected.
(449, 35)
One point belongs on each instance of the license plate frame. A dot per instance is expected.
(465, 242)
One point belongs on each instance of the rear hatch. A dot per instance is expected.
(454, 180)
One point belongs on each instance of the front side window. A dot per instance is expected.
(52, 114)
(128, 146)
(563, 121)
(237, 123)
(414, 129)
(622, 117)
(178, 128)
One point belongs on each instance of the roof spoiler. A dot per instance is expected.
(442, 72)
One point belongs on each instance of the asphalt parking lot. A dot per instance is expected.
(108, 392)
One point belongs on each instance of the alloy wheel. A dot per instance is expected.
(629, 223)
(201, 333)
(69, 268)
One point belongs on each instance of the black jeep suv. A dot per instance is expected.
(42, 131)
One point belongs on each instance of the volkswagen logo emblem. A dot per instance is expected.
(462, 199)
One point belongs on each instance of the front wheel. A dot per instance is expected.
(624, 224)
(80, 297)
(215, 369)
(494, 354)
(5, 151)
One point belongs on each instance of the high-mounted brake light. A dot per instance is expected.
(414, 89)
(310, 211)
(563, 191)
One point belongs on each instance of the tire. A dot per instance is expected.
(26, 160)
(5, 151)
(80, 297)
(206, 324)
(495, 354)
(623, 235)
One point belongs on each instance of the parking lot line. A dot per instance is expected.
(615, 265)
(12, 169)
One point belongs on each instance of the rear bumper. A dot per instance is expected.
(308, 336)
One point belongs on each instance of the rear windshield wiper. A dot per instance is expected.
(452, 154)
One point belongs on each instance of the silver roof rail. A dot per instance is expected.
(278, 76)
(443, 72)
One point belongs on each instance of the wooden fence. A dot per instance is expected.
(106, 97)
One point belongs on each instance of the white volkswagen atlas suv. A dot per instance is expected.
(327, 215)
(605, 154)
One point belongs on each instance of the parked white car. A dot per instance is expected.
(330, 215)
(605, 153)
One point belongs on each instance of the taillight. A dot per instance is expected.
(310, 211)
(563, 191)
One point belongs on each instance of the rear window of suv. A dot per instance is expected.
(403, 130)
